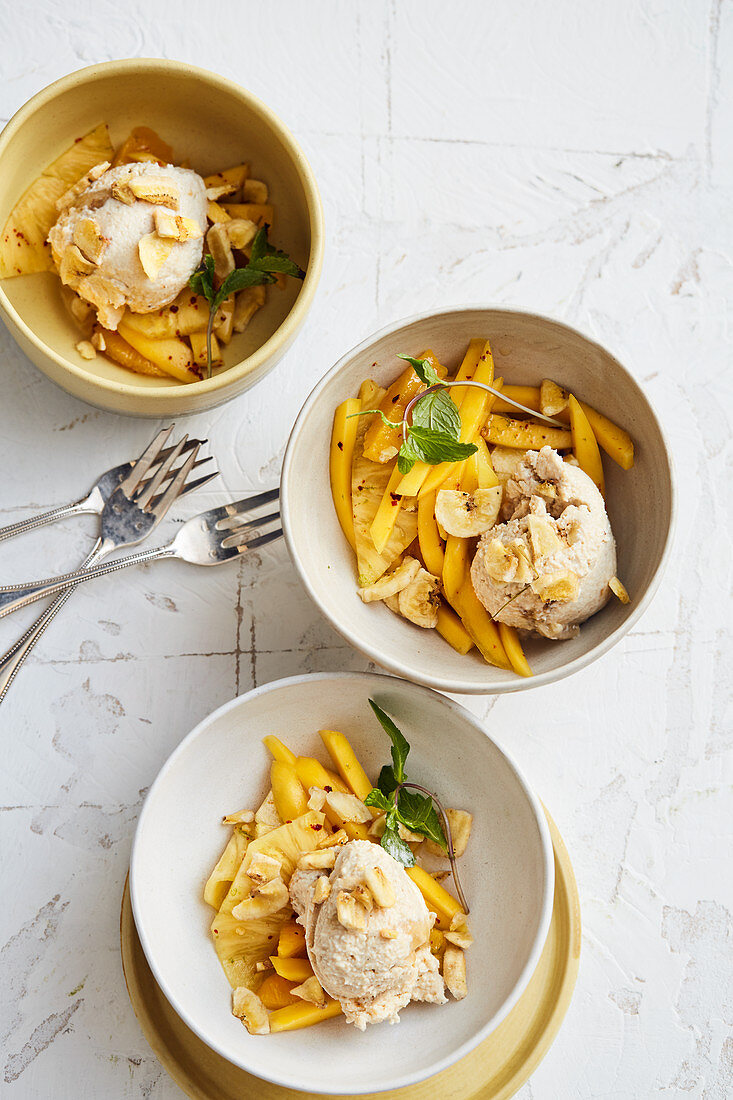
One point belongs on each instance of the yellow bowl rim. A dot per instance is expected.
(292, 322)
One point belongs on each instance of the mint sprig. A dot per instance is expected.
(264, 264)
(434, 434)
(400, 745)
(408, 804)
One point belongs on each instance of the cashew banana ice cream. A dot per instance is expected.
(546, 568)
(130, 237)
(368, 940)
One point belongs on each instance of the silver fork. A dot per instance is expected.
(145, 491)
(91, 504)
(211, 538)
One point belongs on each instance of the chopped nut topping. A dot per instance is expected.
(380, 887)
(334, 840)
(316, 799)
(176, 226)
(363, 895)
(350, 914)
(618, 590)
(241, 817)
(263, 902)
(459, 933)
(454, 971)
(321, 890)
(263, 868)
(348, 807)
(153, 251)
(89, 239)
(74, 265)
(86, 349)
(318, 861)
(157, 190)
(311, 991)
(250, 1010)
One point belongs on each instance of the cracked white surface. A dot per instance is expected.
(572, 159)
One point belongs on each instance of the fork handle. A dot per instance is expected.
(12, 660)
(89, 504)
(15, 596)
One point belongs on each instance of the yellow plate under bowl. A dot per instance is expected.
(495, 1070)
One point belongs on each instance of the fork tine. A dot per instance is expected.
(144, 462)
(174, 489)
(189, 488)
(161, 473)
(166, 451)
(241, 506)
(233, 538)
(262, 540)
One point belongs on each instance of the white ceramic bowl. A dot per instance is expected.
(527, 348)
(222, 766)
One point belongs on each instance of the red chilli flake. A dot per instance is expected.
(316, 827)
(328, 789)
(340, 445)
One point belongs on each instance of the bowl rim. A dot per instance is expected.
(301, 306)
(546, 847)
(400, 667)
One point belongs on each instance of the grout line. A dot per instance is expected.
(713, 80)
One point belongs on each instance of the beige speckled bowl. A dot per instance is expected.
(213, 123)
(527, 348)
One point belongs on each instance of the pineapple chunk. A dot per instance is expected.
(189, 313)
(173, 356)
(224, 321)
(23, 246)
(240, 945)
(143, 144)
(286, 844)
(246, 304)
(368, 483)
(261, 213)
(226, 869)
(200, 351)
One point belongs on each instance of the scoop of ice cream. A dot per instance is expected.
(546, 568)
(374, 970)
(131, 238)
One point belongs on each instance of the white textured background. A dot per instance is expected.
(572, 158)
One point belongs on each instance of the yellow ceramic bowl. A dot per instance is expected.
(212, 123)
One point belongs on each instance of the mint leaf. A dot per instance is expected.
(417, 812)
(387, 783)
(424, 369)
(400, 746)
(265, 257)
(240, 279)
(434, 447)
(407, 456)
(202, 280)
(279, 263)
(378, 799)
(260, 245)
(438, 412)
(396, 847)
